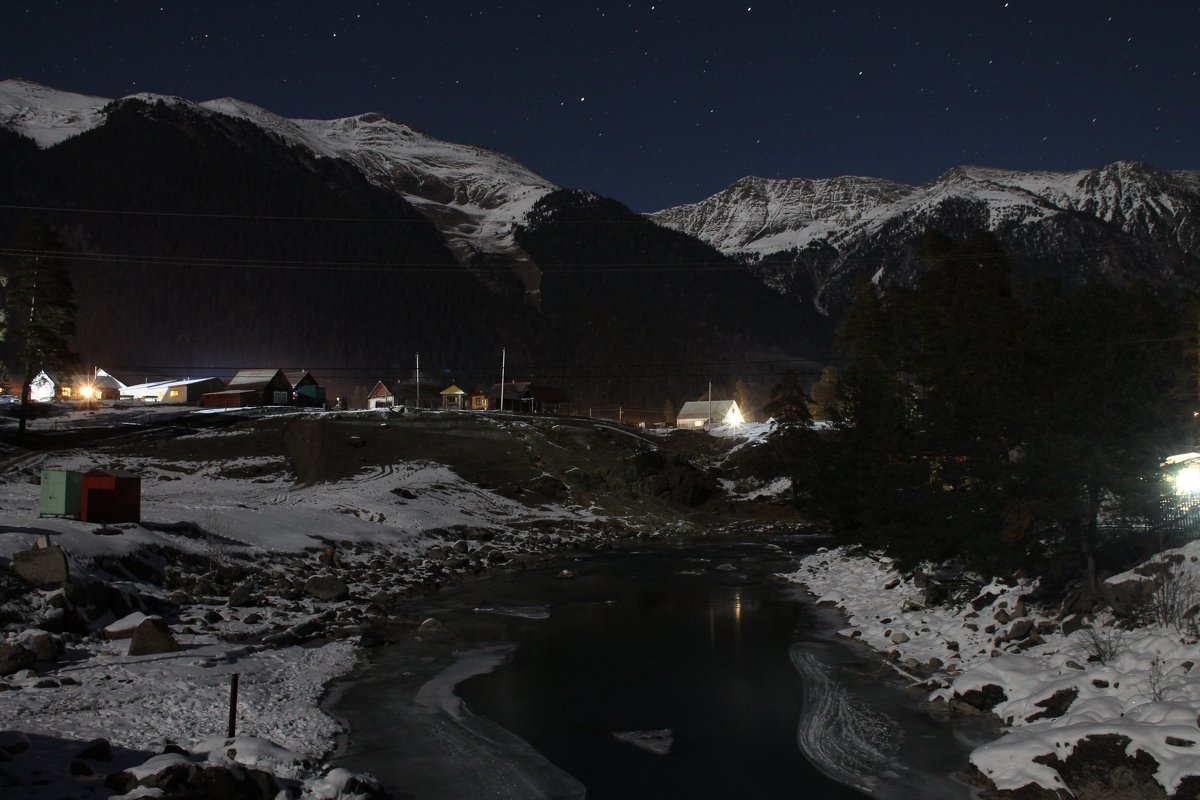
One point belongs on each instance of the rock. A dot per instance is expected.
(431, 625)
(243, 595)
(1055, 705)
(1101, 766)
(548, 486)
(152, 637)
(1019, 630)
(14, 658)
(43, 645)
(565, 574)
(124, 627)
(1126, 597)
(175, 776)
(983, 699)
(460, 546)
(44, 566)
(327, 587)
(899, 637)
(96, 750)
(1002, 617)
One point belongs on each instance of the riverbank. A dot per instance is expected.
(1094, 705)
(270, 548)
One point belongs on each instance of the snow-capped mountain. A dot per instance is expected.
(815, 237)
(473, 194)
(756, 216)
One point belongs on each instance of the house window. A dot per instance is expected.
(174, 393)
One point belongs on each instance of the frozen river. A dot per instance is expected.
(677, 670)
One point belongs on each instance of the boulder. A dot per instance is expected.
(173, 775)
(1019, 630)
(327, 587)
(151, 637)
(43, 566)
(96, 750)
(1126, 597)
(242, 595)
(44, 645)
(14, 658)
(124, 627)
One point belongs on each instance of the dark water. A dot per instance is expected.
(524, 697)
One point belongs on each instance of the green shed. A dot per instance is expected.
(62, 494)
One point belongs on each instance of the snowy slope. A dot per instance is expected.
(46, 115)
(473, 194)
(756, 217)
(760, 215)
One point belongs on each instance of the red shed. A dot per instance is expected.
(111, 497)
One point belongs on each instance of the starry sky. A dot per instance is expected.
(663, 102)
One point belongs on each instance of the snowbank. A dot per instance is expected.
(1055, 683)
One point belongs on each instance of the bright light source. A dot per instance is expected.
(86, 392)
(1187, 480)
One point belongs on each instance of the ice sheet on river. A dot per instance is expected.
(658, 742)
(452, 753)
(524, 612)
(862, 733)
(846, 740)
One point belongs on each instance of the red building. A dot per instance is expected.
(111, 497)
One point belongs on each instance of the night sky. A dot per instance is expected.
(664, 102)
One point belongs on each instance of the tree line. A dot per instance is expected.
(1008, 423)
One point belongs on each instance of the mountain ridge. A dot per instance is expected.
(805, 240)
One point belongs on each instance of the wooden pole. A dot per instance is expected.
(233, 687)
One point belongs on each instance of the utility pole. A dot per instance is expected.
(418, 380)
(710, 419)
(503, 361)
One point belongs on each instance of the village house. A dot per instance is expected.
(381, 397)
(478, 400)
(185, 390)
(305, 389)
(252, 387)
(100, 386)
(702, 413)
(49, 386)
(528, 397)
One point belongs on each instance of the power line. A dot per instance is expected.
(730, 265)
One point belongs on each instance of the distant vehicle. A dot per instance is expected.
(6, 399)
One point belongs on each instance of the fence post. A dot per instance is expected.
(233, 689)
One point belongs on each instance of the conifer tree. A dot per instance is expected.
(39, 307)
(789, 404)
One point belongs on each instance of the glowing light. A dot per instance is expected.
(1187, 480)
(86, 392)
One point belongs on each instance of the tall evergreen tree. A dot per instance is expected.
(39, 307)
(789, 404)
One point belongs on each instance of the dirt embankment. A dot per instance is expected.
(617, 470)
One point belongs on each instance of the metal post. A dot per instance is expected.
(503, 360)
(233, 687)
(418, 380)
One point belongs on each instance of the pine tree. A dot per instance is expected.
(39, 307)
(789, 404)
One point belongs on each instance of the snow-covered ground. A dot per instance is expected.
(1054, 683)
(386, 528)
